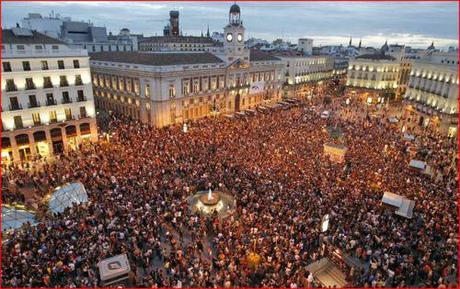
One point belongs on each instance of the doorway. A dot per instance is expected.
(237, 102)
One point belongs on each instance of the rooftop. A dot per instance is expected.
(177, 39)
(379, 56)
(257, 55)
(155, 59)
(26, 36)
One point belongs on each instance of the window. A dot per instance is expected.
(121, 84)
(172, 90)
(186, 87)
(55, 47)
(30, 83)
(78, 80)
(47, 82)
(36, 118)
(26, 65)
(6, 67)
(44, 65)
(196, 85)
(14, 103)
(147, 90)
(82, 111)
(68, 113)
(53, 116)
(80, 96)
(21, 48)
(38, 47)
(63, 81)
(10, 86)
(76, 63)
(61, 64)
(50, 99)
(65, 97)
(18, 122)
(33, 101)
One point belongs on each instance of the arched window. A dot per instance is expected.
(22, 139)
(71, 130)
(56, 133)
(39, 136)
(85, 128)
(6, 142)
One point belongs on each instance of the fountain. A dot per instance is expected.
(210, 199)
(211, 202)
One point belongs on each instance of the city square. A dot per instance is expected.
(223, 165)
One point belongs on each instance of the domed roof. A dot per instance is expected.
(235, 9)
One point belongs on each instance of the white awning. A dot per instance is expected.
(417, 164)
(404, 207)
(409, 137)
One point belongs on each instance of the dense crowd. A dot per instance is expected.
(273, 164)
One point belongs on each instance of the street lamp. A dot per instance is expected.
(325, 223)
(184, 128)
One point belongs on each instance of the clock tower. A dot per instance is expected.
(234, 37)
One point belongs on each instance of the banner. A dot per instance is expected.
(257, 87)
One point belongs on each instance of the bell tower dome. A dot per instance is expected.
(234, 37)
(234, 16)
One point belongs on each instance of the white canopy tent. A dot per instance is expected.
(14, 217)
(114, 270)
(409, 137)
(67, 195)
(417, 165)
(404, 206)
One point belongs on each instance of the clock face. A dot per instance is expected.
(229, 37)
(240, 37)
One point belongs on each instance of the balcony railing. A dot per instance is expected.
(82, 115)
(34, 104)
(63, 84)
(30, 86)
(11, 88)
(69, 117)
(47, 85)
(81, 99)
(15, 107)
(50, 102)
(65, 101)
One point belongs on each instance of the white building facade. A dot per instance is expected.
(370, 76)
(432, 93)
(302, 69)
(47, 98)
(169, 88)
(305, 45)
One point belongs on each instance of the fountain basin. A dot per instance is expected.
(212, 203)
(210, 199)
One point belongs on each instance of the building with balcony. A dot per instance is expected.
(176, 43)
(80, 34)
(431, 98)
(302, 73)
(168, 88)
(47, 98)
(373, 77)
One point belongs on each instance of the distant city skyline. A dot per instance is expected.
(414, 24)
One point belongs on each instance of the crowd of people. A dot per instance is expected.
(274, 166)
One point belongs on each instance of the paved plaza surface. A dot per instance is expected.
(273, 164)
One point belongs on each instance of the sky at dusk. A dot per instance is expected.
(415, 24)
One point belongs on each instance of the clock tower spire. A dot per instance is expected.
(234, 37)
